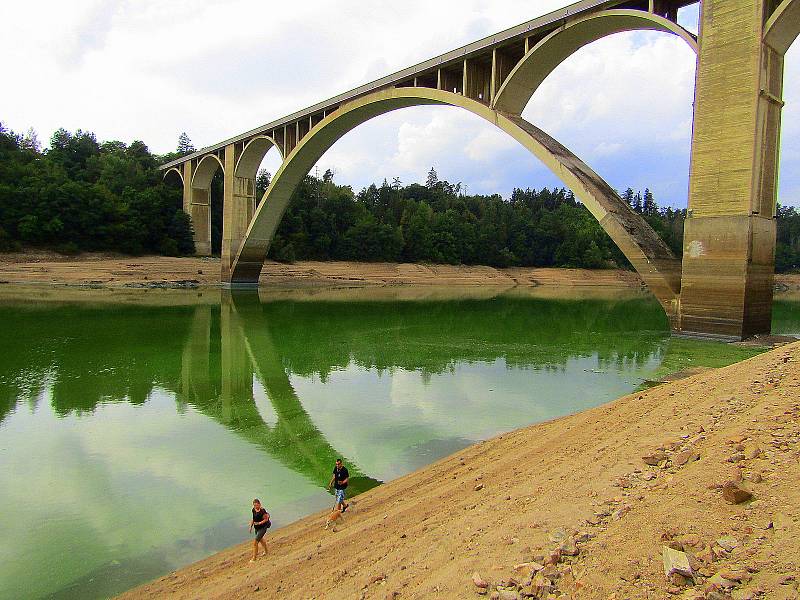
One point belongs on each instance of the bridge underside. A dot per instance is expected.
(722, 287)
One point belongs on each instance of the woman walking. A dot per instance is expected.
(260, 522)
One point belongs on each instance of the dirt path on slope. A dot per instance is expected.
(578, 483)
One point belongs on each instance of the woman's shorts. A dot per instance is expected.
(260, 533)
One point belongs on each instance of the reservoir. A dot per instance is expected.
(137, 426)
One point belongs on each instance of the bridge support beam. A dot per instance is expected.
(197, 204)
(239, 205)
(729, 237)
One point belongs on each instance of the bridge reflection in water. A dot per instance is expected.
(225, 391)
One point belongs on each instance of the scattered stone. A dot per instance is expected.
(785, 579)
(732, 493)
(557, 535)
(479, 583)
(755, 477)
(739, 456)
(675, 562)
(735, 575)
(752, 452)
(376, 579)
(685, 457)
(507, 595)
(568, 548)
(478, 487)
(529, 567)
(727, 543)
(620, 512)
(541, 586)
(691, 539)
(720, 581)
(654, 458)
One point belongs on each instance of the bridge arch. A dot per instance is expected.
(171, 172)
(541, 60)
(783, 26)
(205, 171)
(253, 153)
(641, 245)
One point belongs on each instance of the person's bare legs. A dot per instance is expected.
(264, 546)
(255, 551)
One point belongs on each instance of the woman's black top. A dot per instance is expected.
(258, 517)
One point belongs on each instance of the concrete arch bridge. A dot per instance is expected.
(721, 288)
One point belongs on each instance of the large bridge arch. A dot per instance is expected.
(783, 26)
(641, 245)
(543, 58)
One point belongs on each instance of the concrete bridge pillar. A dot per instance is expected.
(197, 204)
(729, 236)
(239, 205)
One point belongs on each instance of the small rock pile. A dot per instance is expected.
(541, 577)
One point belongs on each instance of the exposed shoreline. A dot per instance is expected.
(115, 271)
(103, 270)
(500, 503)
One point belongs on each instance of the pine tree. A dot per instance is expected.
(627, 196)
(637, 203)
(433, 179)
(185, 145)
(649, 206)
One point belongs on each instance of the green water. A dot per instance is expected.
(132, 438)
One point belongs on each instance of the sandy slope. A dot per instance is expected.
(424, 535)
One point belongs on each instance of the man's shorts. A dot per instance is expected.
(260, 531)
(339, 496)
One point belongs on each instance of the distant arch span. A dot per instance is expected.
(252, 155)
(175, 171)
(558, 46)
(205, 171)
(641, 245)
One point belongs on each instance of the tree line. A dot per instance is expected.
(439, 223)
(83, 195)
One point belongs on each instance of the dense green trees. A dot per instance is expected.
(83, 195)
(437, 223)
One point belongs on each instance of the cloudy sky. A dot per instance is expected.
(149, 70)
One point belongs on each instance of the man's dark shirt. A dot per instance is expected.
(339, 475)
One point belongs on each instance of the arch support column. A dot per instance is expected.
(729, 237)
(238, 207)
(197, 204)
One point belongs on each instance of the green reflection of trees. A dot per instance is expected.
(86, 355)
(318, 337)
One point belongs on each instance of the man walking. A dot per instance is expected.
(339, 480)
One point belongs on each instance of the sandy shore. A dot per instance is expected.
(117, 271)
(109, 270)
(583, 483)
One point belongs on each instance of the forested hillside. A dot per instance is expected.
(83, 195)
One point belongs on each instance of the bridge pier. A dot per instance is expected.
(197, 204)
(239, 205)
(729, 236)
